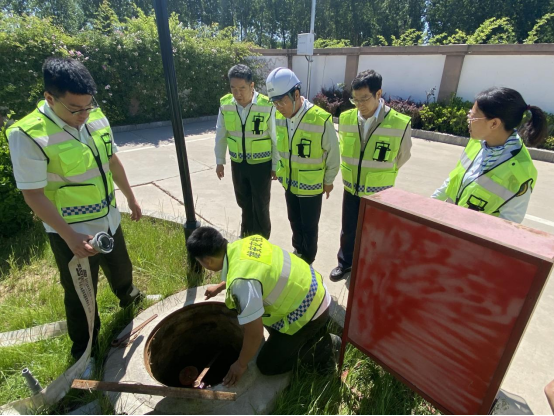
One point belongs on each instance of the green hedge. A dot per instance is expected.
(15, 215)
(125, 62)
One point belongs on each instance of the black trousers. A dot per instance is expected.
(119, 272)
(311, 345)
(350, 208)
(253, 192)
(304, 213)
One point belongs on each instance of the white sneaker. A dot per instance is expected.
(89, 369)
(154, 298)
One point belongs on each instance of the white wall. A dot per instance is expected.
(327, 70)
(531, 75)
(406, 75)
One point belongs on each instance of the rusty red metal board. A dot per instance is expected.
(440, 295)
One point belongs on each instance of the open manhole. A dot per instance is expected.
(191, 337)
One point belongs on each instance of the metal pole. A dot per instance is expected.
(310, 59)
(162, 21)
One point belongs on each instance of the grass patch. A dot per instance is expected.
(30, 295)
(367, 390)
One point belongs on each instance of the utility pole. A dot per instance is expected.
(310, 58)
(162, 21)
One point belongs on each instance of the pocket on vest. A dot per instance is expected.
(230, 119)
(282, 172)
(378, 181)
(261, 149)
(78, 200)
(347, 177)
(233, 148)
(72, 162)
(310, 182)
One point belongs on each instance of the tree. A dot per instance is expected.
(66, 13)
(447, 16)
(106, 20)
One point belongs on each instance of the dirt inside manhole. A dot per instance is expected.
(192, 337)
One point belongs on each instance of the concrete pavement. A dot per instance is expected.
(150, 160)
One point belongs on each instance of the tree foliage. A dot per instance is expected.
(448, 16)
(493, 31)
(543, 31)
(125, 62)
(277, 23)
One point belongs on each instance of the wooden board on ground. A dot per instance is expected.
(176, 392)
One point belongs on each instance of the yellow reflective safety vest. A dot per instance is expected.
(80, 183)
(494, 187)
(302, 164)
(373, 168)
(292, 290)
(249, 141)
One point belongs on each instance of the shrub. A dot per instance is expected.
(15, 215)
(450, 118)
(549, 143)
(408, 107)
(332, 43)
(334, 100)
(125, 61)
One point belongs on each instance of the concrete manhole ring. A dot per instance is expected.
(140, 361)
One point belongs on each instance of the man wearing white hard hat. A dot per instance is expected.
(310, 157)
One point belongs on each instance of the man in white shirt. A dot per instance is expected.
(375, 144)
(287, 295)
(310, 158)
(64, 164)
(246, 125)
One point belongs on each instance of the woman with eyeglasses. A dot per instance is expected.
(375, 142)
(495, 173)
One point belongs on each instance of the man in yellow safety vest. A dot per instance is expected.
(246, 126)
(375, 142)
(293, 305)
(309, 158)
(65, 164)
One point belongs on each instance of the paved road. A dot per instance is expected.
(150, 160)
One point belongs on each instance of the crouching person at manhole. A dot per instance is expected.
(65, 164)
(269, 287)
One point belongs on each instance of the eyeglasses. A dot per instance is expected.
(94, 106)
(357, 102)
(280, 102)
(471, 119)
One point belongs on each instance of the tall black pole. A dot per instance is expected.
(162, 21)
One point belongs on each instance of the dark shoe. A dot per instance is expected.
(339, 273)
(328, 357)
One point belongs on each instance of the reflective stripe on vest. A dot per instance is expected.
(374, 168)
(492, 189)
(79, 181)
(304, 306)
(301, 168)
(251, 141)
(292, 290)
(284, 276)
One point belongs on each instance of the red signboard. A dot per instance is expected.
(440, 295)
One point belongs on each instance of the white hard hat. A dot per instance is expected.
(280, 81)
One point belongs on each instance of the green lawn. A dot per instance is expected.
(30, 295)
